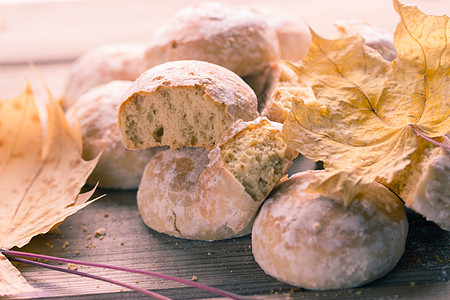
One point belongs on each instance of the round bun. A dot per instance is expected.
(96, 113)
(171, 200)
(193, 194)
(102, 65)
(293, 36)
(375, 37)
(224, 34)
(184, 103)
(316, 242)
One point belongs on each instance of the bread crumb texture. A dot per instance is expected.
(184, 103)
(312, 241)
(284, 85)
(178, 116)
(257, 158)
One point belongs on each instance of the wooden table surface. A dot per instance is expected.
(52, 35)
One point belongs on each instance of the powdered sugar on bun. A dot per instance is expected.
(101, 65)
(313, 241)
(194, 194)
(96, 113)
(224, 34)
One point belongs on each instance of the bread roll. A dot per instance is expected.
(102, 65)
(193, 194)
(224, 34)
(374, 37)
(96, 112)
(424, 184)
(314, 241)
(184, 103)
(294, 36)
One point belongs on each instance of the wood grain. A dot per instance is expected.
(422, 273)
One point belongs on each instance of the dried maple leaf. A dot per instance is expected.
(363, 120)
(40, 179)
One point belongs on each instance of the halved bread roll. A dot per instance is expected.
(184, 103)
(316, 242)
(193, 194)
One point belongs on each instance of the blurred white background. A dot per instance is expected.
(56, 31)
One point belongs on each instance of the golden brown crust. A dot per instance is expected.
(182, 196)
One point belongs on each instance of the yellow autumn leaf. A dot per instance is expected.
(369, 109)
(40, 178)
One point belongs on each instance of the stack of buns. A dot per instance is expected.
(179, 118)
(220, 167)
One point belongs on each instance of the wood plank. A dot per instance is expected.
(422, 273)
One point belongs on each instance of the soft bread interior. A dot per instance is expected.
(257, 158)
(175, 116)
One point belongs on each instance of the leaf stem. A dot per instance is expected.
(39, 264)
(443, 145)
(148, 273)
